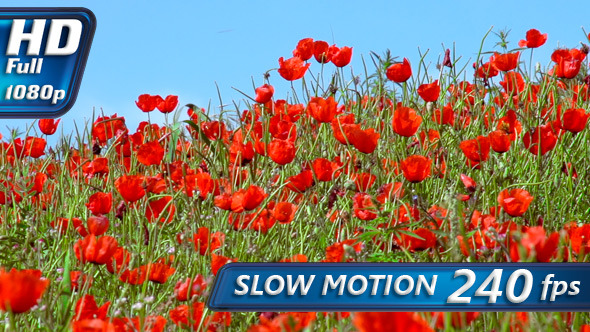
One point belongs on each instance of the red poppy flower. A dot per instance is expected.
(155, 184)
(93, 324)
(505, 62)
(416, 168)
(292, 69)
(364, 140)
(406, 121)
(468, 182)
(214, 130)
(38, 183)
(241, 154)
(323, 110)
(100, 203)
(147, 103)
(390, 321)
(515, 202)
(304, 49)
(301, 182)
(264, 93)
(186, 289)
(135, 276)
(424, 239)
(324, 170)
(476, 150)
(486, 70)
(130, 187)
(510, 124)
(119, 260)
(93, 250)
(399, 72)
(206, 242)
(63, 224)
(34, 147)
(97, 225)
(284, 212)
(339, 128)
(186, 316)
(105, 128)
(223, 201)
(321, 51)
(444, 117)
(569, 170)
(574, 120)
(363, 206)
(281, 151)
(579, 238)
(282, 129)
(534, 39)
(150, 153)
(364, 181)
(542, 138)
(98, 166)
(79, 280)
(337, 253)
(429, 92)
(86, 308)
(535, 238)
(217, 261)
(389, 191)
(205, 184)
(513, 83)
(159, 272)
(568, 62)
(340, 57)
(20, 290)
(47, 126)
(500, 141)
(167, 105)
(161, 209)
(247, 200)
(262, 221)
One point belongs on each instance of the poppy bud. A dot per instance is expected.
(585, 49)
(447, 59)
(96, 149)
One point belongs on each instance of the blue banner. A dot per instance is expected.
(401, 287)
(43, 53)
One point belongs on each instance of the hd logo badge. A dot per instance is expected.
(43, 52)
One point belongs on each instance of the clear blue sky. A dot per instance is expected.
(185, 47)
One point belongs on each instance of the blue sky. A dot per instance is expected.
(186, 47)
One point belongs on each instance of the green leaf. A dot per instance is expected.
(410, 234)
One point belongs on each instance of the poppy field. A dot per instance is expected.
(124, 229)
